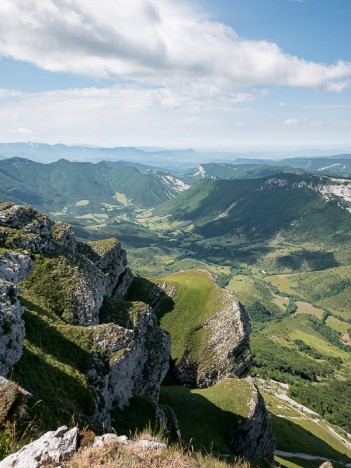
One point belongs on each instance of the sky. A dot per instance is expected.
(206, 74)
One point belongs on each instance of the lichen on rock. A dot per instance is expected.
(127, 362)
(13, 267)
(72, 277)
(51, 449)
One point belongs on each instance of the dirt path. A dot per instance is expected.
(306, 456)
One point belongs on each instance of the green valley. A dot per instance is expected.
(281, 244)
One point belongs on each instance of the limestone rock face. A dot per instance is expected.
(13, 267)
(92, 270)
(109, 257)
(128, 362)
(71, 279)
(51, 449)
(255, 435)
(227, 354)
(228, 343)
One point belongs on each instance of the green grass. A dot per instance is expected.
(326, 288)
(303, 436)
(258, 298)
(196, 300)
(52, 284)
(299, 431)
(52, 368)
(209, 418)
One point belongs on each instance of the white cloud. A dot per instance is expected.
(151, 41)
(18, 131)
(123, 114)
(182, 116)
(295, 121)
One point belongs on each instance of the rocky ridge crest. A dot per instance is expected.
(130, 354)
(130, 358)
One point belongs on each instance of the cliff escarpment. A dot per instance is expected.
(88, 347)
(210, 332)
(13, 267)
(78, 348)
(210, 329)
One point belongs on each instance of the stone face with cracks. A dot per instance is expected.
(52, 448)
(255, 436)
(228, 348)
(13, 267)
(98, 268)
(128, 362)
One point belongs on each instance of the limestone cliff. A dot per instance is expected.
(70, 280)
(80, 331)
(128, 361)
(227, 328)
(228, 348)
(13, 267)
(85, 272)
(213, 348)
(255, 436)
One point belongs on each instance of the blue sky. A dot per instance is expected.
(225, 74)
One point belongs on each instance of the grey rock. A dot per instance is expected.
(228, 343)
(128, 362)
(124, 282)
(99, 441)
(255, 436)
(228, 350)
(53, 447)
(123, 440)
(13, 399)
(150, 444)
(109, 257)
(13, 267)
(98, 268)
(26, 395)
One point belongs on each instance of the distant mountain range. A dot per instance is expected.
(78, 187)
(178, 161)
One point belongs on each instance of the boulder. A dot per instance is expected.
(52, 448)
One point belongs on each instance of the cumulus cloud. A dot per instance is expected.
(125, 113)
(151, 41)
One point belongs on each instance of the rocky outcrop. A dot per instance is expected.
(13, 267)
(71, 279)
(228, 346)
(51, 449)
(254, 435)
(56, 448)
(109, 257)
(87, 272)
(128, 362)
(100, 441)
(225, 356)
(228, 349)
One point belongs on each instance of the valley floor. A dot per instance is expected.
(303, 437)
